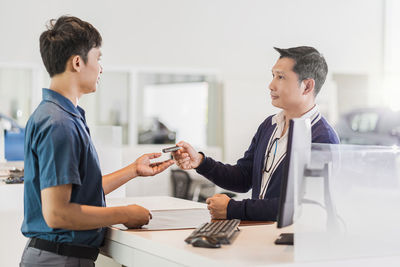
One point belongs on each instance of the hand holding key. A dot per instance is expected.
(187, 157)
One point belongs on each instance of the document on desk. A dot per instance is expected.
(174, 219)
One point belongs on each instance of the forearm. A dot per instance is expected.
(82, 217)
(114, 180)
(230, 177)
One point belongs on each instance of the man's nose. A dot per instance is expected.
(271, 86)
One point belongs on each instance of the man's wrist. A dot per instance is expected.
(202, 157)
(120, 215)
(133, 170)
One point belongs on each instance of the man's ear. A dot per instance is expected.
(75, 63)
(309, 85)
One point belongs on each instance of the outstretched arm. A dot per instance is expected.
(231, 177)
(141, 167)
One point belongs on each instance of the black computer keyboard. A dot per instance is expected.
(213, 234)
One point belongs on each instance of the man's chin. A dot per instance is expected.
(275, 104)
(90, 91)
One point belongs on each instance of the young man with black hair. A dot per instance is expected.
(64, 205)
(297, 77)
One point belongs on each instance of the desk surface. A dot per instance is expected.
(254, 245)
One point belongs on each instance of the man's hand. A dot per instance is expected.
(187, 157)
(217, 205)
(137, 216)
(143, 167)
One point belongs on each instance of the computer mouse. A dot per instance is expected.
(206, 242)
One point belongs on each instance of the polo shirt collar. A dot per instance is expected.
(278, 118)
(62, 102)
(313, 114)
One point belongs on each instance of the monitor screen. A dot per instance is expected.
(297, 157)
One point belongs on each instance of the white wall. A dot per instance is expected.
(235, 37)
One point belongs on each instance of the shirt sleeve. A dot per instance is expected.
(58, 152)
(230, 177)
(236, 177)
(253, 209)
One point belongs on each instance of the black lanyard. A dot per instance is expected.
(269, 150)
(275, 141)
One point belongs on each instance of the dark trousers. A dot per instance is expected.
(33, 257)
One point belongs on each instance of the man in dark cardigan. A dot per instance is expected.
(297, 77)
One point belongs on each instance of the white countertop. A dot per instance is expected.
(254, 245)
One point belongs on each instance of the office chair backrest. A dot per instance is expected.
(181, 182)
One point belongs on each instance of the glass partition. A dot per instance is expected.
(352, 210)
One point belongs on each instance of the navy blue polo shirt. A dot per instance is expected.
(58, 151)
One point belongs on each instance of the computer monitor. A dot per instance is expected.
(297, 158)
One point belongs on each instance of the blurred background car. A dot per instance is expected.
(13, 138)
(156, 132)
(370, 126)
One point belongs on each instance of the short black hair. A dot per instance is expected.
(65, 37)
(309, 63)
